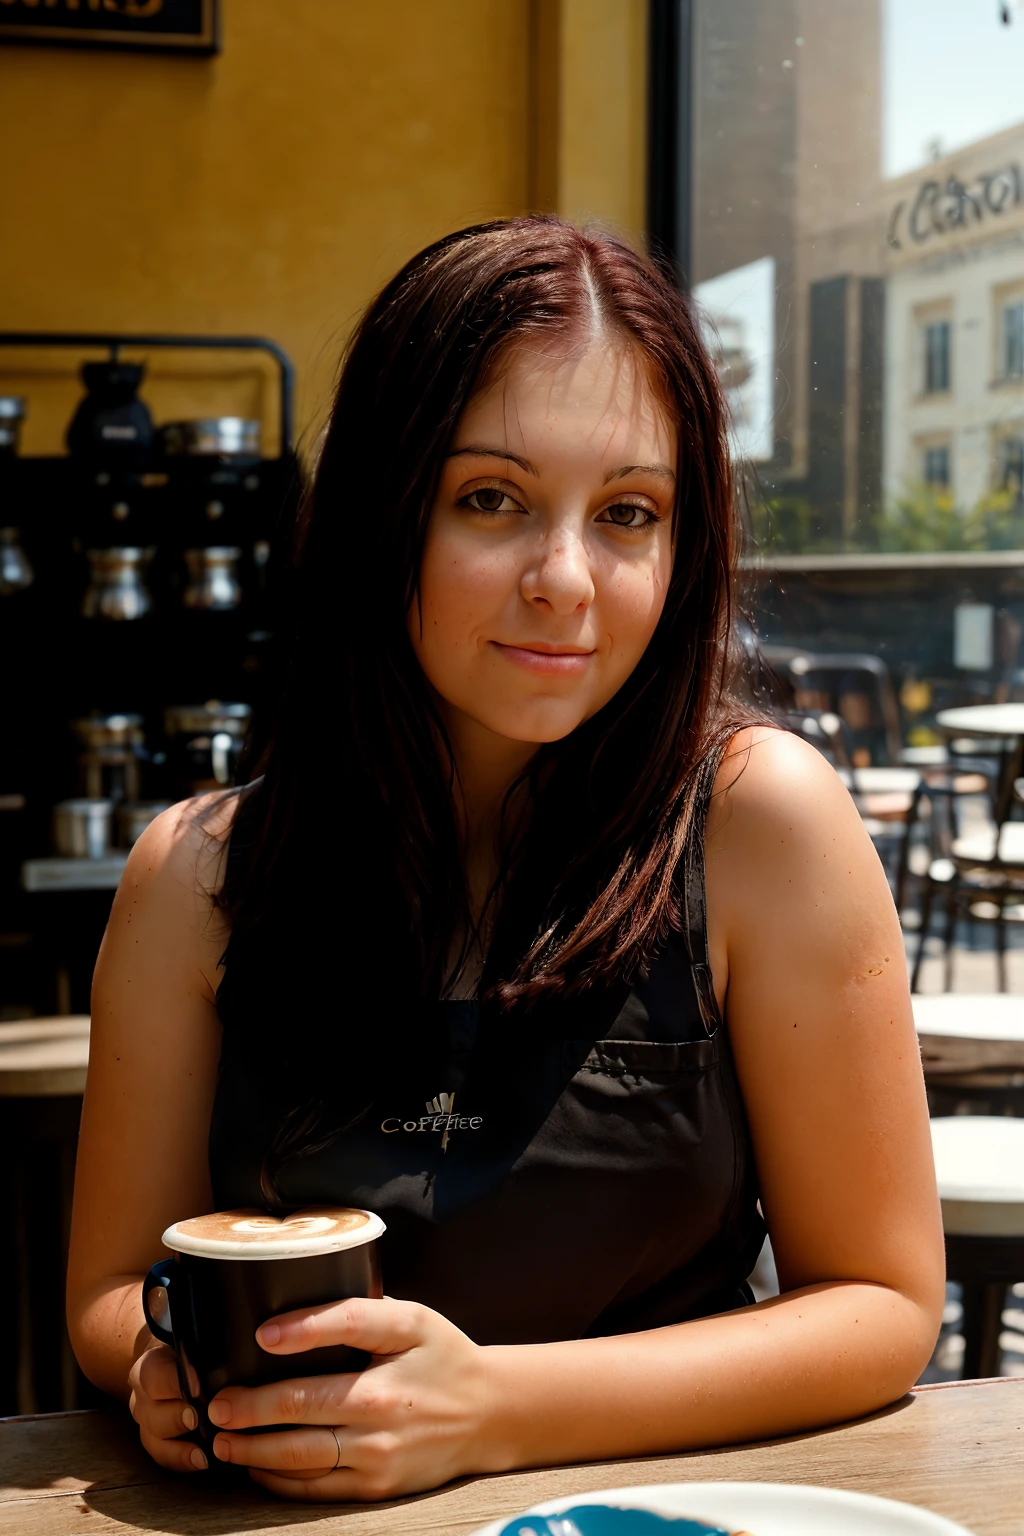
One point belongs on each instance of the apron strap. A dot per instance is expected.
(695, 915)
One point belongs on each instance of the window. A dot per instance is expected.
(936, 357)
(936, 466)
(1013, 340)
(1010, 475)
(842, 189)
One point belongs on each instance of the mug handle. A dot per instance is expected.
(158, 1277)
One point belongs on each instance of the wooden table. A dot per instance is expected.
(962, 1033)
(44, 1058)
(958, 1450)
(42, 1076)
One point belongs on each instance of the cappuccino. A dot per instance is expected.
(232, 1270)
(255, 1234)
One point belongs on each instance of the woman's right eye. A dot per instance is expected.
(489, 498)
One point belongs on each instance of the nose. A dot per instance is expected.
(559, 577)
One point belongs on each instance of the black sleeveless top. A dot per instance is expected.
(596, 1179)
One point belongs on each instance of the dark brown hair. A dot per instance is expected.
(356, 794)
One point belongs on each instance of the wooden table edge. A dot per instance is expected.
(926, 1386)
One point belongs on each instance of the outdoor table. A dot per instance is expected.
(44, 1058)
(1005, 721)
(956, 1449)
(42, 1077)
(963, 1035)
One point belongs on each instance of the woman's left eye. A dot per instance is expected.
(626, 514)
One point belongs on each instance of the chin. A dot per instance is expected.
(543, 727)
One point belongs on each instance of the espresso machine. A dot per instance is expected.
(141, 577)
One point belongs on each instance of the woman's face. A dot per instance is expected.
(549, 548)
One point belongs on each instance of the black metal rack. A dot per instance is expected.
(59, 666)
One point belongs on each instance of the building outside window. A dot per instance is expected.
(936, 467)
(1013, 340)
(936, 356)
(850, 194)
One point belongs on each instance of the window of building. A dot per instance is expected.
(936, 356)
(1013, 340)
(936, 466)
(1010, 476)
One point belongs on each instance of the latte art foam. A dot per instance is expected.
(255, 1234)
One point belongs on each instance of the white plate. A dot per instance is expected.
(765, 1509)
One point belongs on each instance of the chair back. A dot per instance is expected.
(857, 687)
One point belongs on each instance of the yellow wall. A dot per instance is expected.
(603, 82)
(273, 188)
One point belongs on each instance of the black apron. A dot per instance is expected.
(594, 1179)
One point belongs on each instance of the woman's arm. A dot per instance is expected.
(806, 949)
(154, 1047)
(807, 946)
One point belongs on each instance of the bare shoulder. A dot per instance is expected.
(166, 907)
(184, 849)
(783, 831)
(769, 779)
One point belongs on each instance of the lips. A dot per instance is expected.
(549, 661)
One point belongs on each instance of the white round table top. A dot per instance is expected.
(42, 1058)
(979, 1167)
(984, 719)
(985, 1016)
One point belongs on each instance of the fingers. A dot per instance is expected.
(309, 1400)
(163, 1420)
(158, 1408)
(298, 1453)
(155, 1374)
(364, 1398)
(382, 1326)
(175, 1455)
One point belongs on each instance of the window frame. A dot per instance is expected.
(930, 326)
(670, 131)
(945, 448)
(1014, 305)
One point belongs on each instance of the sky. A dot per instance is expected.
(951, 72)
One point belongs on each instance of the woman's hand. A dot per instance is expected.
(413, 1419)
(161, 1412)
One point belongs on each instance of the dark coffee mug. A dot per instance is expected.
(232, 1271)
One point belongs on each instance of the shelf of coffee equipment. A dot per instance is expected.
(54, 874)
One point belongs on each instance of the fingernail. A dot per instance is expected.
(222, 1448)
(270, 1333)
(189, 1418)
(198, 1460)
(220, 1413)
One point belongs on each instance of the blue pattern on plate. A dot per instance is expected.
(603, 1520)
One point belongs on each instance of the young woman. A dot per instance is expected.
(473, 863)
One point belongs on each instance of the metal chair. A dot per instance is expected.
(980, 873)
(857, 687)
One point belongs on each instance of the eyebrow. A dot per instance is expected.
(662, 471)
(482, 451)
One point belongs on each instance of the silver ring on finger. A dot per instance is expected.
(337, 1459)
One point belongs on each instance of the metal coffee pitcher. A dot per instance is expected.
(117, 588)
(213, 578)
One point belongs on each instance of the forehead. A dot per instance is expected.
(599, 396)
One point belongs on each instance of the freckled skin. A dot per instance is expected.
(550, 567)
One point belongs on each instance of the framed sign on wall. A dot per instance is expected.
(161, 26)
